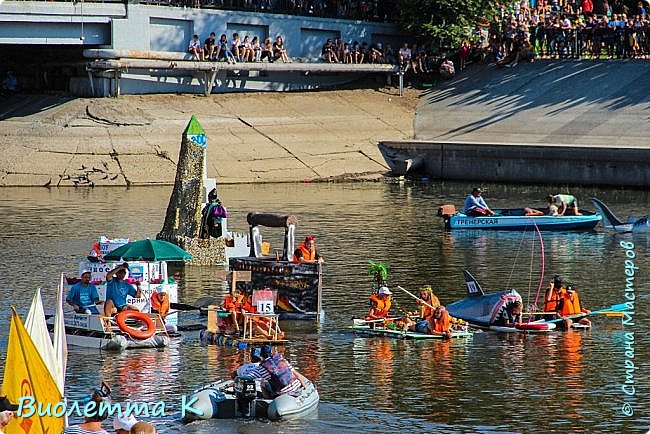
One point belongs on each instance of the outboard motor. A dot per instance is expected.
(246, 393)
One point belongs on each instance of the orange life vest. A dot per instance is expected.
(233, 301)
(443, 324)
(306, 254)
(381, 307)
(551, 305)
(570, 303)
(160, 302)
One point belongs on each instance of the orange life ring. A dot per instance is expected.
(133, 332)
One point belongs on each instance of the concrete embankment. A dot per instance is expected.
(262, 137)
(575, 122)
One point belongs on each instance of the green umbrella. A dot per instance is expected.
(148, 250)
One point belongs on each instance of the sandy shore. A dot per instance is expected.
(261, 137)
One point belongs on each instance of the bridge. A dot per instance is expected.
(78, 47)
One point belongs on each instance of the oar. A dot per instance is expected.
(360, 322)
(183, 306)
(539, 313)
(416, 297)
(613, 308)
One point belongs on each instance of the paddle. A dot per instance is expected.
(416, 297)
(360, 322)
(184, 307)
(608, 310)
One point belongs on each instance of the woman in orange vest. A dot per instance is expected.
(427, 296)
(306, 252)
(569, 305)
(381, 304)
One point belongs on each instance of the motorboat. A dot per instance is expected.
(518, 219)
(239, 398)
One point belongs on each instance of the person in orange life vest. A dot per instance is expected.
(306, 252)
(439, 323)
(552, 295)
(427, 296)
(160, 303)
(381, 304)
(569, 305)
(234, 303)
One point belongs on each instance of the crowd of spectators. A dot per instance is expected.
(527, 30)
(236, 49)
(564, 29)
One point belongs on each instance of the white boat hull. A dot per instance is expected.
(94, 331)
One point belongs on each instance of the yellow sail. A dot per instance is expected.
(26, 376)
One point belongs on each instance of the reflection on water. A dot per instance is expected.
(567, 382)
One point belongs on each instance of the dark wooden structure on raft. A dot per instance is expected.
(297, 287)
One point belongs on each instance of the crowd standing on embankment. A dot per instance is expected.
(540, 29)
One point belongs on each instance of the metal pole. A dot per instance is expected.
(401, 82)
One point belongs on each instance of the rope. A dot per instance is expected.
(541, 274)
(514, 263)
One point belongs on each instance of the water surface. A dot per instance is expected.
(562, 382)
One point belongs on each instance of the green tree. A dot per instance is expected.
(443, 23)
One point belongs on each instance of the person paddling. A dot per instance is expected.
(569, 305)
(552, 295)
(428, 302)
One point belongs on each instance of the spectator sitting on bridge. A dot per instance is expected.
(405, 57)
(209, 45)
(338, 48)
(446, 69)
(328, 52)
(9, 84)
(235, 46)
(267, 50)
(257, 48)
(376, 53)
(357, 55)
(195, 48)
(389, 55)
(223, 52)
(347, 54)
(279, 50)
(247, 50)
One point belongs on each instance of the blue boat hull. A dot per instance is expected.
(515, 220)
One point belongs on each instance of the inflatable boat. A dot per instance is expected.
(238, 398)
